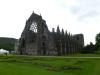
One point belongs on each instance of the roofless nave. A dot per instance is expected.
(36, 39)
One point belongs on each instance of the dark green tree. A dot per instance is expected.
(90, 48)
(97, 41)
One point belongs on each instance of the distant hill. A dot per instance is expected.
(7, 43)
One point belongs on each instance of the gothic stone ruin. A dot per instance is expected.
(36, 39)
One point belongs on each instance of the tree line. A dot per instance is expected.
(93, 48)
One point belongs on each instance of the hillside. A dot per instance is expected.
(7, 43)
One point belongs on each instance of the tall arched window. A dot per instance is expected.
(33, 27)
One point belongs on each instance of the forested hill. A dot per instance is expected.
(7, 43)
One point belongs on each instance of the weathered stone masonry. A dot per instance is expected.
(36, 39)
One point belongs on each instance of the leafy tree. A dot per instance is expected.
(97, 41)
(90, 48)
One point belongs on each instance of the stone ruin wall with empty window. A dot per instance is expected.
(36, 39)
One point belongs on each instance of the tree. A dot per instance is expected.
(90, 48)
(97, 41)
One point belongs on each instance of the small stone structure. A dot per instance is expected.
(36, 39)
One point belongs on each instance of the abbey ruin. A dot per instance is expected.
(36, 39)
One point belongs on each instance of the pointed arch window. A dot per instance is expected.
(33, 27)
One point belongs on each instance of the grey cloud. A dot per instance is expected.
(74, 10)
(86, 8)
(90, 14)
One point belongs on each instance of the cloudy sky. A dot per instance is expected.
(75, 16)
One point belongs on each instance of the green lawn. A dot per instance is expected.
(30, 65)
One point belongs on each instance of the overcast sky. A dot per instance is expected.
(75, 16)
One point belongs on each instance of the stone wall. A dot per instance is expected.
(36, 39)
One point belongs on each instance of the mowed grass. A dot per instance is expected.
(30, 65)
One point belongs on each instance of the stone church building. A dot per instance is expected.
(36, 39)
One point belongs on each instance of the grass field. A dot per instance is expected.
(30, 65)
